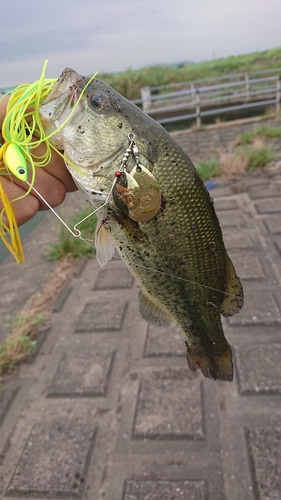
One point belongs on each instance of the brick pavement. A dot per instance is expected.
(107, 409)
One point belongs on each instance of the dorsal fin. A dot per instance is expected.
(104, 244)
(234, 299)
(153, 313)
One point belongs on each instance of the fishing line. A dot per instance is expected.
(21, 122)
(89, 242)
(115, 257)
(254, 303)
(194, 282)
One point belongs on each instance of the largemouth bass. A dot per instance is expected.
(154, 209)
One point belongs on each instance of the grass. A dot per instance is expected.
(258, 154)
(243, 158)
(12, 351)
(20, 321)
(23, 328)
(232, 164)
(208, 168)
(264, 132)
(19, 342)
(69, 246)
(129, 83)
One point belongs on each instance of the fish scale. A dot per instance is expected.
(178, 257)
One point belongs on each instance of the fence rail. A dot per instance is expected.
(210, 96)
(189, 100)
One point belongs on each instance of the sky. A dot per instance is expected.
(116, 35)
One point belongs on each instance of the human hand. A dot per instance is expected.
(52, 182)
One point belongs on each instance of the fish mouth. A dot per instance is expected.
(62, 100)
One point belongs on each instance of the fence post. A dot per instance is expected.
(247, 85)
(278, 94)
(197, 101)
(193, 96)
(146, 98)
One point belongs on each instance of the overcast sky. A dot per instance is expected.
(114, 35)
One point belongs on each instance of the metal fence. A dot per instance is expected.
(210, 96)
(195, 100)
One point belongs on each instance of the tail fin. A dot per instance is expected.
(215, 366)
(234, 292)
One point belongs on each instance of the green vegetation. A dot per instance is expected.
(238, 161)
(13, 322)
(208, 168)
(263, 132)
(23, 328)
(130, 82)
(69, 246)
(19, 342)
(13, 350)
(257, 157)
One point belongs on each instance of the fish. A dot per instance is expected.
(153, 208)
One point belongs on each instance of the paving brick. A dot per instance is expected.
(62, 298)
(273, 224)
(106, 315)
(234, 240)
(7, 395)
(54, 461)
(277, 244)
(162, 405)
(252, 182)
(259, 368)
(114, 278)
(221, 191)
(80, 267)
(83, 371)
(264, 192)
(248, 267)
(40, 339)
(230, 220)
(260, 308)
(225, 204)
(164, 431)
(268, 206)
(264, 444)
(166, 342)
(160, 490)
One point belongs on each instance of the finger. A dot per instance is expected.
(3, 106)
(50, 188)
(24, 208)
(56, 167)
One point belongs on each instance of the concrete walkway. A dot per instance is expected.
(108, 409)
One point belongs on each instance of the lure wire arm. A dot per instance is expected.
(78, 235)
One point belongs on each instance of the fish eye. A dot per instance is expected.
(98, 102)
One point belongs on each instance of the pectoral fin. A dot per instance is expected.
(152, 313)
(234, 292)
(104, 244)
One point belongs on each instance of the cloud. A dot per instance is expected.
(113, 36)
